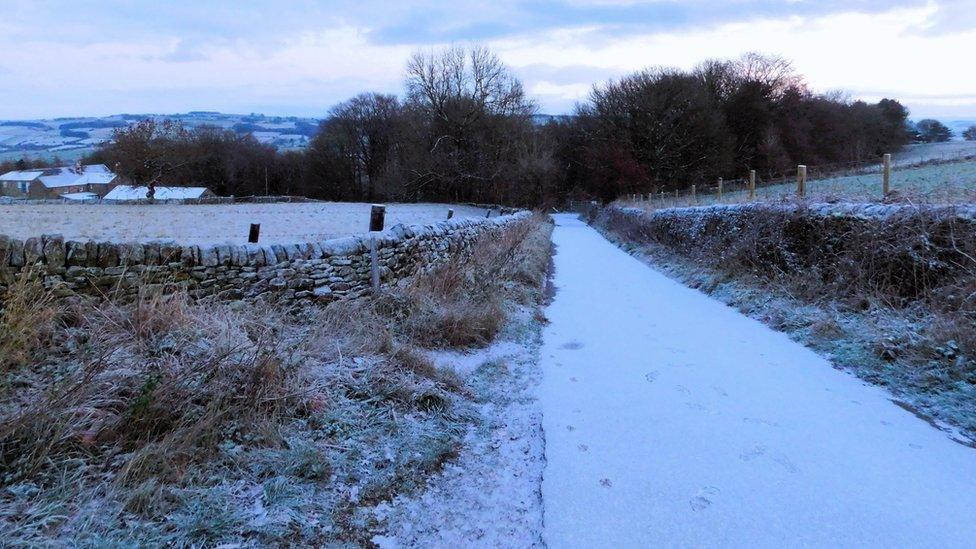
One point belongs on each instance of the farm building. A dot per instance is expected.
(131, 192)
(56, 182)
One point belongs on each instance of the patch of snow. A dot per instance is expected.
(489, 496)
(674, 420)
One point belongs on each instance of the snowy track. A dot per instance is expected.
(673, 420)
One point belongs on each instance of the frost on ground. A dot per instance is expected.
(672, 420)
(489, 496)
(170, 422)
(194, 224)
(920, 349)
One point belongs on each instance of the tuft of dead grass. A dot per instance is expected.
(27, 320)
(156, 422)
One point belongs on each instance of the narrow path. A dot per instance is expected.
(673, 420)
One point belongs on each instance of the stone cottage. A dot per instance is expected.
(37, 183)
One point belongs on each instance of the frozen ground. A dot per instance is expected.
(677, 421)
(212, 223)
(923, 152)
(489, 496)
(941, 183)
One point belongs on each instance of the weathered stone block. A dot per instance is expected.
(33, 251)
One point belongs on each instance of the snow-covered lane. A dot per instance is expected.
(673, 420)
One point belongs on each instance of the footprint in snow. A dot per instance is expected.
(784, 461)
(760, 451)
(704, 498)
(682, 389)
(651, 376)
(752, 454)
(573, 379)
(760, 421)
(605, 482)
(571, 346)
(720, 391)
(570, 428)
(583, 447)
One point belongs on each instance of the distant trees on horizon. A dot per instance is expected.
(463, 131)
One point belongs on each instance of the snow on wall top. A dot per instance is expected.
(865, 210)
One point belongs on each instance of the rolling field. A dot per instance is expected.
(943, 183)
(212, 223)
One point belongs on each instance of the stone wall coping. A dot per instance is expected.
(53, 250)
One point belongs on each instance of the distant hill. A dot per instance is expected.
(959, 126)
(71, 138)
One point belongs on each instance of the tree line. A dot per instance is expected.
(465, 131)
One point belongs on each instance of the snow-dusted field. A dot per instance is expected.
(212, 223)
(942, 183)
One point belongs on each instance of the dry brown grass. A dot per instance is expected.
(27, 320)
(143, 413)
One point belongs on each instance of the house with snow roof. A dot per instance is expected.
(61, 182)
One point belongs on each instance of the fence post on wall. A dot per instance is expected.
(255, 233)
(801, 180)
(377, 215)
(374, 267)
(752, 184)
(886, 174)
(694, 195)
(720, 189)
(450, 213)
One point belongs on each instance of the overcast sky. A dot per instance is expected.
(66, 58)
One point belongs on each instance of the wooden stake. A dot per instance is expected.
(377, 217)
(720, 189)
(886, 174)
(694, 195)
(255, 233)
(450, 213)
(752, 184)
(801, 180)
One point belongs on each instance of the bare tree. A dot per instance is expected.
(468, 120)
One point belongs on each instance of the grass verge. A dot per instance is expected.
(173, 422)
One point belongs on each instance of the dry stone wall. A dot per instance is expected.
(327, 270)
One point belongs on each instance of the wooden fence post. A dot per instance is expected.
(255, 233)
(801, 180)
(694, 195)
(374, 267)
(377, 217)
(886, 174)
(450, 213)
(752, 184)
(720, 189)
